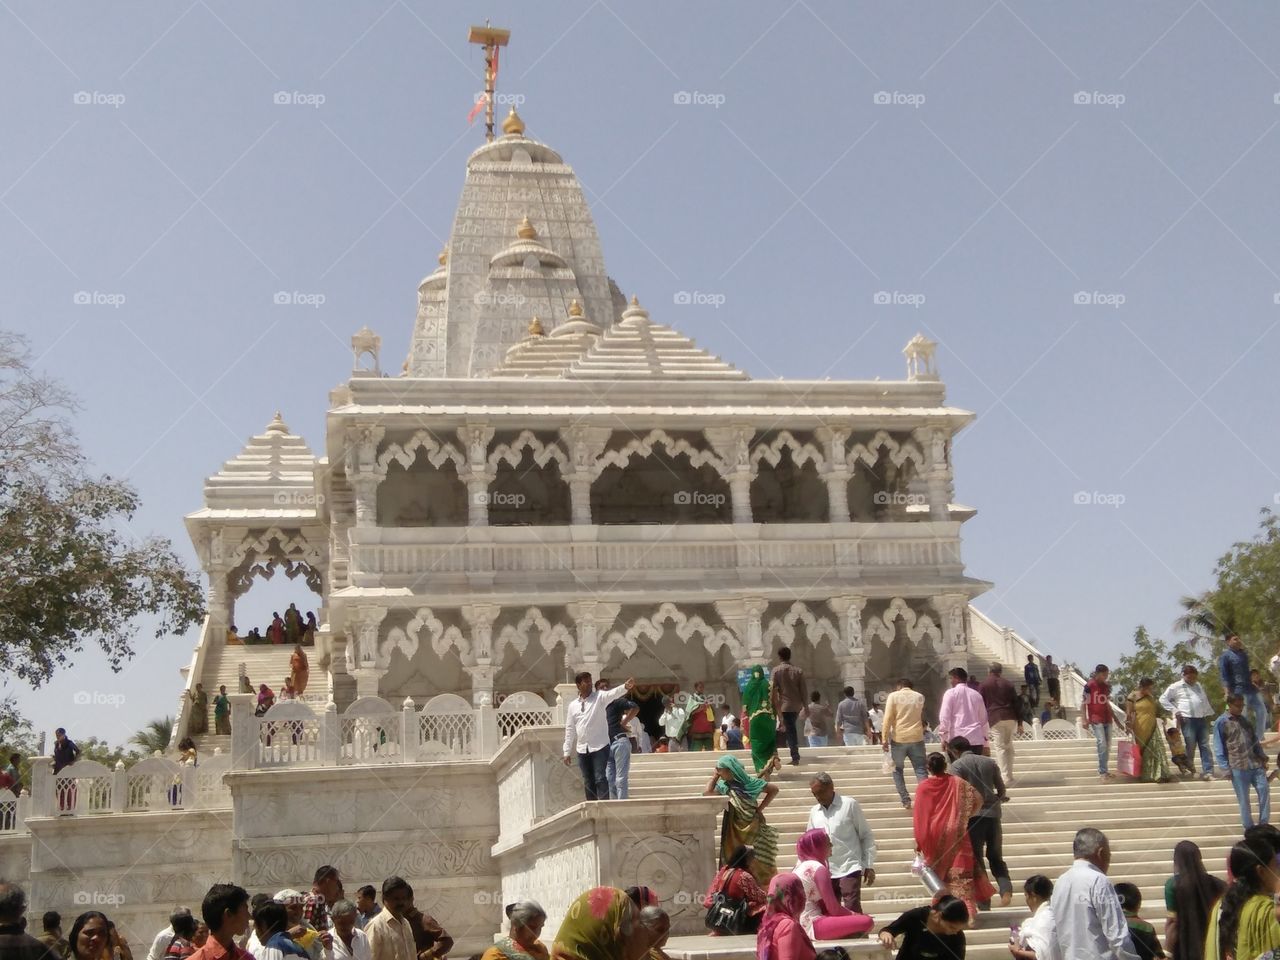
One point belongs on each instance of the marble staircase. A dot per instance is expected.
(1056, 791)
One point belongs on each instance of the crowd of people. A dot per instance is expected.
(293, 628)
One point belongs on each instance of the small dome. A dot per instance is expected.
(575, 308)
(525, 230)
(513, 125)
(635, 312)
(444, 256)
(535, 325)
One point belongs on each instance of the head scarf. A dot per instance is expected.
(264, 692)
(743, 784)
(785, 900)
(812, 845)
(755, 694)
(596, 926)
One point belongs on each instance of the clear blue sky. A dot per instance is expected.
(783, 186)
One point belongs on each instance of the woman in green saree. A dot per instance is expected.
(744, 822)
(602, 924)
(762, 725)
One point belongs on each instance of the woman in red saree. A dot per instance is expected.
(941, 815)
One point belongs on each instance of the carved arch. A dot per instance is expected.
(783, 628)
(436, 451)
(517, 634)
(543, 453)
(686, 627)
(255, 557)
(643, 447)
(409, 639)
(917, 624)
(899, 452)
(771, 453)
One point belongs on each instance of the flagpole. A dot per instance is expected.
(491, 38)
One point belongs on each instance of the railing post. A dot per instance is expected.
(1081, 733)
(23, 811)
(244, 732)
(486, 730)
(409, 731)
(1037, 730)
(330, 735)
(42, 787)
(189, 798)
(119, 790)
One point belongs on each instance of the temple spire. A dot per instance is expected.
(491, 38)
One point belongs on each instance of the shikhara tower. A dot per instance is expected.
(557, 480)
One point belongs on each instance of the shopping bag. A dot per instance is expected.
(886, 765)
(1128, 758)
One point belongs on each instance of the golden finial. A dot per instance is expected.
(513, 124)
(444, 256)
(575, 308)
(535, 328)
(635, 301)
(525, 231)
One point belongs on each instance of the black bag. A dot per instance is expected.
(729, 915)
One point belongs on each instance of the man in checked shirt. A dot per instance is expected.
(326, 890)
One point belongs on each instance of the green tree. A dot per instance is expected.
(72, 574)
(1156, 658)
(1199, 619)
(91, 748)
(154, 736)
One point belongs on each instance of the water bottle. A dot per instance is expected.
(1014, 933)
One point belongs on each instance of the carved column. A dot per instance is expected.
(952, 610)
(591, 618)
(475, 439)
(585, 445)
(362, 441)
(362, 628)
(934, 441)
(480, 617)
(733, 445)
(836, 472)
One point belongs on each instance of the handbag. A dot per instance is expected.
(729, 915)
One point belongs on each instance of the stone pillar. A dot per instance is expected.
(585, 445)
(475, 437)
(410, 731)
(591, 617)
(853, 673)
(478, 500)
(951, 608)
(244, 731)
(733, 445)
(836, 472)
(42, 785)
(365, 488)
(363, 473)
(330, 735)
(218, 601)
(938, 474)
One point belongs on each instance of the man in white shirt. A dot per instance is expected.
(389, 933)
(672, 721)
(161, 943)
(853, 848)
(349, 942)
(1192, 711)
(1086, 908)
(586, 732)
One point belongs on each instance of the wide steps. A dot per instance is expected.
(1056, 791)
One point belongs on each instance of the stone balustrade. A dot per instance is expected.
(372, 731)
(381, 555)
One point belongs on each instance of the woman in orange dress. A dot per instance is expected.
(299, 670)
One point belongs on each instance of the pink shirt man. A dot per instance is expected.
(963, 714)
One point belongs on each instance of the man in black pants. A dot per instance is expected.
(986, 831)
(790, 699)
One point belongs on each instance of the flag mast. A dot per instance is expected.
(491, 38)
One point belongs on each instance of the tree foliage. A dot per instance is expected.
(72, 572)
(1162, 662)
(154, 736)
